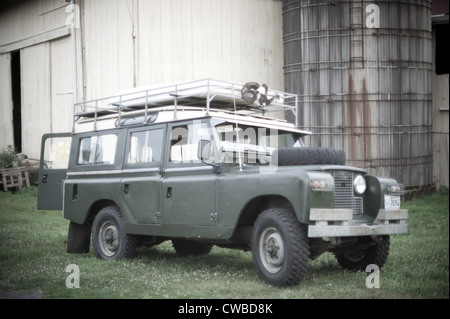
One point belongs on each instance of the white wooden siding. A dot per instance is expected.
(181, 40)
(36, 97)
(46, 83)
(28, 19)
(6, 104)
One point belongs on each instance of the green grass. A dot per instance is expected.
(33, 257)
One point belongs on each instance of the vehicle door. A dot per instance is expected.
(140, 185)
(189, 191)
(54, 162)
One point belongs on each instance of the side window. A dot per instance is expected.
(97, 150)
(184, 141)
(145, 146)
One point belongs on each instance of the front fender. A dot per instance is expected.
(377, 187)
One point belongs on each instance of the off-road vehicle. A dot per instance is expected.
(209, 162)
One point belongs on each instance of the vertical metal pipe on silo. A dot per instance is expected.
(362, 70)
(74, 51)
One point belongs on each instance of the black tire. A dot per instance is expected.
(286, 156)
(108, 237)
(191, 248)
(360, 259)
(280, 247)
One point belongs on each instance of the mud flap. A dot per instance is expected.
(79, 238)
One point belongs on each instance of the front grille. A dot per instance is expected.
(343, 192)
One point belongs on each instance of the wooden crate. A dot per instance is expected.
(14, 177)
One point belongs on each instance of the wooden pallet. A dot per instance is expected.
(14, 177)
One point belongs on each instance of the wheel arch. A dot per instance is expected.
(253, 209)
(96, 207)
(255, 206)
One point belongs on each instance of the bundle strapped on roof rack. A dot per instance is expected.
(250, 98)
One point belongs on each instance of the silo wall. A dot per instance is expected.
(362, 70)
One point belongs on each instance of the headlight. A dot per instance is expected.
(359, 185)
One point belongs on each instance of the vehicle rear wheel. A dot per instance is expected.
(280, 247)
(361, 258)
(108, 237)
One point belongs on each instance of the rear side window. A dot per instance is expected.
(97, 150)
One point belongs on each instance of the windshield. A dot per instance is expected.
(252, 145)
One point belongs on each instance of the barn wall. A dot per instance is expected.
(138, 43)
(37, 30)
(6, 121)
(440, 127)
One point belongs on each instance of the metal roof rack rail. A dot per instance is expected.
(249, 99)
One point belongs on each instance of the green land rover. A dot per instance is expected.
(209, 162)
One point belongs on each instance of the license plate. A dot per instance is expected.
(391, 202)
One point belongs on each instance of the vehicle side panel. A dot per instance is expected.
(139, 193)
(188, 197)
(80, 194)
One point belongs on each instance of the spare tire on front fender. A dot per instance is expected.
(286, 156)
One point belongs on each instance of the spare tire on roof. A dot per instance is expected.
(286, 156)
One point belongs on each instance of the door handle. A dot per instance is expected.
(126, 188)
(169, 192)
(44, 179)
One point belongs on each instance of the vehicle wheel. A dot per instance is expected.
(280, 247)
(191, 248)
(285, 156)
(108, 237)
(360, 259)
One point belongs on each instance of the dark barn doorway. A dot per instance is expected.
(17, 101)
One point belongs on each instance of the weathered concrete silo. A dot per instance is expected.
(363, 73)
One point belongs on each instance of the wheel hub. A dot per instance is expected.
(109, 239)
(271, 250)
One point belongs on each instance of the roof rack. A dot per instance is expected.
(249, 99)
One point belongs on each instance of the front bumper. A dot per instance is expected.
(339, 223)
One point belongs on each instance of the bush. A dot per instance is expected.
(9, 158)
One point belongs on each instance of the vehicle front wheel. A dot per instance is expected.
(280, 247)
(108, 237)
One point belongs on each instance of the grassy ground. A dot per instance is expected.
(33, 260)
